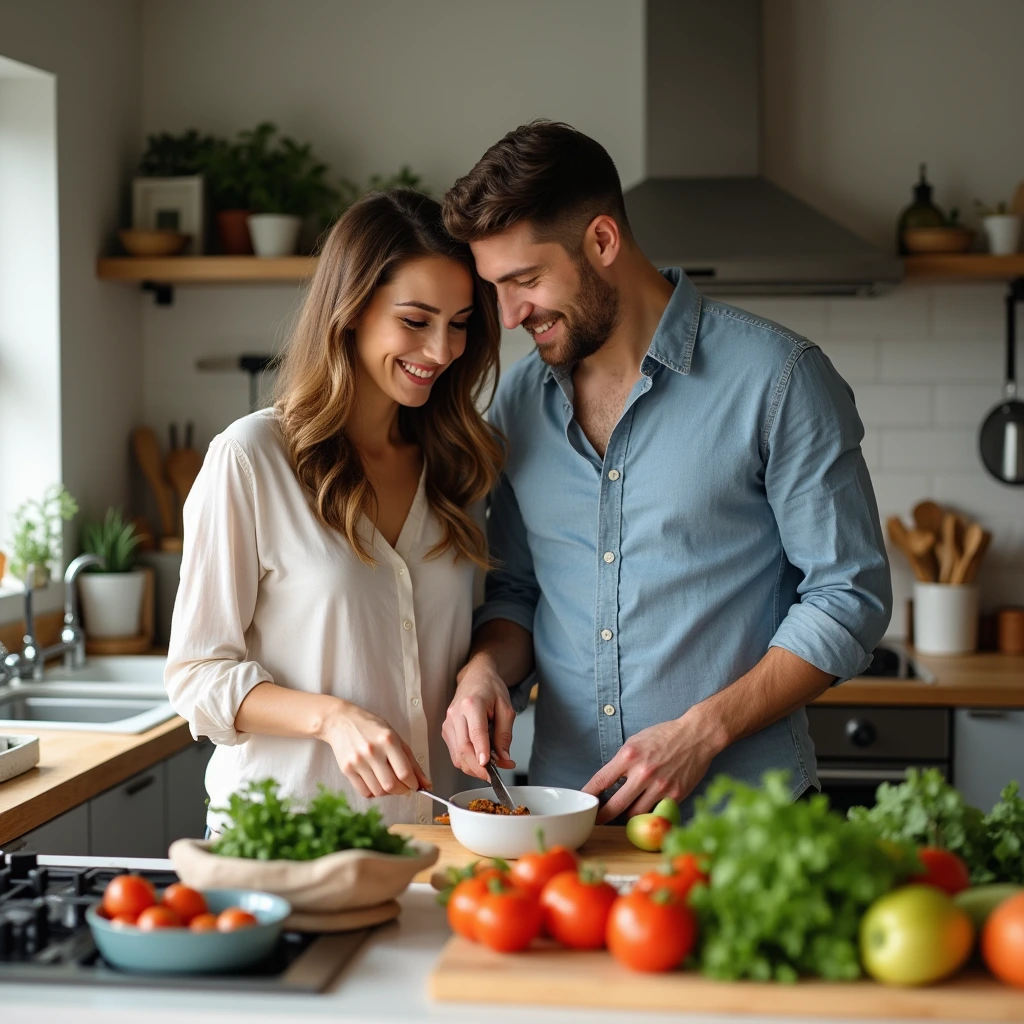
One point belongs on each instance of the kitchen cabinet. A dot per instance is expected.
(67, 835)
(186, 792)
(128, 820)
(988, 751)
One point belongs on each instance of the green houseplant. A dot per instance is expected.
(171, 156)
(111, 595)
(38, 533)
(228, 171)
(287, 183)
(1002, 228)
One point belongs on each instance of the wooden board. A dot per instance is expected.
(607, 845)
(964, 266)
(549, 976)
(200, 269)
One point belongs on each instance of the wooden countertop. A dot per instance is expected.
(607, 845)
(76, 766)
(984, 680)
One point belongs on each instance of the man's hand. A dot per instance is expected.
(666, 760)
(481, 698)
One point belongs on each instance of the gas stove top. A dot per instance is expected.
(44, 936)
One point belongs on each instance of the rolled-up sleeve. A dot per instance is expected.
(208, 674)
(820, 492)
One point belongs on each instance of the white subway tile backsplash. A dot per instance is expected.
(898, 493)
(902, 312)
(942, 360)
(979, 495)
(806, 317)
(963, 405)
(856, 360)
(894, 405)
(928, 449)
(969, 310)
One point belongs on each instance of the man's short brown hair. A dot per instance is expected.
(544, 172)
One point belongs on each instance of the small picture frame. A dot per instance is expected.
(175, 204)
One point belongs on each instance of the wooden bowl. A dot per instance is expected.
(144, 242)
(938, 239)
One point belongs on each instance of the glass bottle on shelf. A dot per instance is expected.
(921, 213)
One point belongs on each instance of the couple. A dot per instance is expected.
(683, 544)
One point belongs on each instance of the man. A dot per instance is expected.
(687, 541)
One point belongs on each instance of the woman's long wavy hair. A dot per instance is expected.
(317, 382)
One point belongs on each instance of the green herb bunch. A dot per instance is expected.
(168, 155)
(789, 881)
(927, 811)
(266, 826)
(38, 531)
(285, 177)
(113, 539)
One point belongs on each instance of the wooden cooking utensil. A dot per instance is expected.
(182, 465)
(928, 516)
(972, 567)
(973, 537)
(921, 544)
(898, 536)
(947, 550)
(147, 454)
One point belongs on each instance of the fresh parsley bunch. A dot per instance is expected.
(789, 881)
(927, 811)
(265, 826)
(1004, 829)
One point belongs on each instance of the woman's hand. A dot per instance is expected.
(480, 699)
(372, 756)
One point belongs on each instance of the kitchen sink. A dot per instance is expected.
(106, 695)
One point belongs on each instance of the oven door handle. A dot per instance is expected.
(861, 775)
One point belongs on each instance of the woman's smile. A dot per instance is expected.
(421, 374)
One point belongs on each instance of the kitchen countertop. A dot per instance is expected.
(386, 983)
(76, 766)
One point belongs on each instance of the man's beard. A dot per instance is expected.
(587, 323)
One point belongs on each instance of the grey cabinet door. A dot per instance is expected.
(186, 791)
(128, 820)
(67, 835)
(988, 751)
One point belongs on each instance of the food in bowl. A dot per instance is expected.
(483, 806)
(131, 902)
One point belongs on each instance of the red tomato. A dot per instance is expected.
(233, 918)
(128, 894)
(683, 875)
(508, 919)
(1002, 941)
(944, 870)
(124, 920)
(534, 870)
(465, 899)
(651, 932)
(203, 923)
(156, 917)
(185, 902)
(575, 905)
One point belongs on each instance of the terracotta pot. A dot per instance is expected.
(233, 232)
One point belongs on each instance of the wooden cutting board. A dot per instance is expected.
(550, 976)
(607, 845)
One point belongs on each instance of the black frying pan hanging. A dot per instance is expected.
(1002, 434)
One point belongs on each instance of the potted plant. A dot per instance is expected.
(111, 596)
(1002, 228)
(175, 156)
(228, 171)
(287, 184)
(38, 534)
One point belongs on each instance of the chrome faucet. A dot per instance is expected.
(29, 663)
(5, 672)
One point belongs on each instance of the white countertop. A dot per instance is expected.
(386, 983)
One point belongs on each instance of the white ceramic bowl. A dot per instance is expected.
(567, 817)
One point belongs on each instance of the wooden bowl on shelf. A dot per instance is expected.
(156, 242)
(949, 239)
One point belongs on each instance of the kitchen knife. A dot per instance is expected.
(498, 786)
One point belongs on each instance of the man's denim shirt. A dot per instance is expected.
(732, 512)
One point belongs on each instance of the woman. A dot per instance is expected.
(326, 582)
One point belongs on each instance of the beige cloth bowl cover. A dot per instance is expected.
(345, 880)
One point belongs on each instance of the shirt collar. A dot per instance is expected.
(676, 336)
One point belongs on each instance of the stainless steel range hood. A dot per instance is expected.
(704, 205)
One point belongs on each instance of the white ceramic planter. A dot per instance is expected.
(112, 603)
(274, 234)
(945, 618)
(1003, 233)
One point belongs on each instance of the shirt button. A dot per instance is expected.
(415, 702)
(609, 710)
(613, 474)
(606, 634)
(421, 759)
(401, 572)
(609, 557)
(407, 624)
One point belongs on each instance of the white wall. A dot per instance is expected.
(93, 51)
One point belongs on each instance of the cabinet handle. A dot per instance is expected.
(986, 713)
(139, 785)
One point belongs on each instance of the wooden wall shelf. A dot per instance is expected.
(964, 267)
(205, 269)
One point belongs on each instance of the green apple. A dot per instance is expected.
(914, 936)
(646, 831)
(980, 900)
(667, 809)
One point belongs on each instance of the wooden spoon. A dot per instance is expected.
(898, 536)
(921, 544)
(182, 465)
(947, 551)
(974, 541)
(147, 454)
(928, 516)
